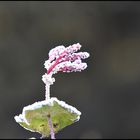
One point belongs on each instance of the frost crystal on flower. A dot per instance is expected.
(63, 59)
(54, 53)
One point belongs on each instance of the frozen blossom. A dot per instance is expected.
(55, 52)
(64, 59)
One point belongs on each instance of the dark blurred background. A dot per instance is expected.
(107, 92)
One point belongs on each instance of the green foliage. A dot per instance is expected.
(38, 119)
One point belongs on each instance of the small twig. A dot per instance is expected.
(51, 127)
(47, 92)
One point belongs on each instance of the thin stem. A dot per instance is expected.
(51, 127)
(47, 92)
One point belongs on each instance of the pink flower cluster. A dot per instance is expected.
(65, 59)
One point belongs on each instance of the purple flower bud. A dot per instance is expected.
(55, 52)
(73, 48)
(65, 59)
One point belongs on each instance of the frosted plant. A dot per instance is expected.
(51, 115)
(63, 59)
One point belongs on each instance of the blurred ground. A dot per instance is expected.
(107, 93)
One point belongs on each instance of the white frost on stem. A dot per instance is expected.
(47, 91)
(48, 80)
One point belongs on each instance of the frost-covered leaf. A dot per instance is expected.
(35, 117)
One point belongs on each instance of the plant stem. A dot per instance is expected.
(51, 127)
(47, 92)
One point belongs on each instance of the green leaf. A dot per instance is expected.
(34, 117)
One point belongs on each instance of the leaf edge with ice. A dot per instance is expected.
(21, 119)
